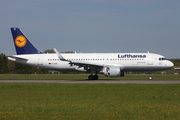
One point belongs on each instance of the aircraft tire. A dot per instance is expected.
(90, 77)
(93, 77)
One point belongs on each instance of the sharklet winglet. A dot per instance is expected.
(60, 56)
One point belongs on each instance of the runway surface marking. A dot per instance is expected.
(96, 81)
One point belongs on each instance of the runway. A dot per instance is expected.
(95, 81)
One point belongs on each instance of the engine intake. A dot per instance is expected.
(112, 71)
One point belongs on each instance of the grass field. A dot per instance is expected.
(84, 77)
(89, 101)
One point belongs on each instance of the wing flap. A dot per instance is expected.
(85, 63)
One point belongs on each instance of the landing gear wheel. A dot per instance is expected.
(93, 77)
(90, 77)
(150, 76)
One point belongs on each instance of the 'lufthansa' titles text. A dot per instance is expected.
(131, 56)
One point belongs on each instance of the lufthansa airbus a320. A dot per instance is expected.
(109, 64)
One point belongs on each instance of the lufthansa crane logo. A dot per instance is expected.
(20, 41)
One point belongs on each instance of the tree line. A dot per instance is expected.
(10, 67)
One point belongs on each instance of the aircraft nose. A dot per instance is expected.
(170, 64)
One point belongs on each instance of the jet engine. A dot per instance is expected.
(112, 71)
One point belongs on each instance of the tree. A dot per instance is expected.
(49, 51)
(3, 64)
(52, 51)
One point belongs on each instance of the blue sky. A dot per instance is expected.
(94, 26)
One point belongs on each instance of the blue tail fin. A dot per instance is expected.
(22, 44)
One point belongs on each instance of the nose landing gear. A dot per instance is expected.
(150, 76)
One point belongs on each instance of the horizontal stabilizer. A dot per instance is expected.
(15, 58)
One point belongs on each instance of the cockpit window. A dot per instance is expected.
(162, 59)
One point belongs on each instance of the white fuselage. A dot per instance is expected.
(125, 61)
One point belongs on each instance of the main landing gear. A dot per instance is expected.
(93, 77)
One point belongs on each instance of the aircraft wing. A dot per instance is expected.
(88, 65)
(85, 64)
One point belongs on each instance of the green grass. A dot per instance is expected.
(89, 101)
(84, 77)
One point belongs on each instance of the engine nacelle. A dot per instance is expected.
(112, 71)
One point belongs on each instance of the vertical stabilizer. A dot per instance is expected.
(21, 43)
